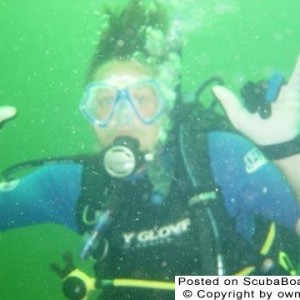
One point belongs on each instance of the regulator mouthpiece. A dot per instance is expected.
(123, 157)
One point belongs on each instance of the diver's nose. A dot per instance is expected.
(123, 113)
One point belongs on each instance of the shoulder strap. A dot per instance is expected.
(195, 123)
(91, 197)
(194, 152)
(205, 202)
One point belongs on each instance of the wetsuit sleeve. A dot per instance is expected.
(46, 195)
(250, 184)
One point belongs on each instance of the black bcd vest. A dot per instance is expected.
(223, 251)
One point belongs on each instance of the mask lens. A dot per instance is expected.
(146, 99)
(100, 102)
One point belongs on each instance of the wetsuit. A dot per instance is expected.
(156, 241)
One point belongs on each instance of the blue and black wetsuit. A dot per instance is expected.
(156, 241)
(250, 186)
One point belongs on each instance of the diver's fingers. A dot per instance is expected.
(294, 80)
(230, 103)
(7, 112)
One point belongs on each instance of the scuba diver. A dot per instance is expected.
(174, 189)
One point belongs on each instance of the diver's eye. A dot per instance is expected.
(104, 98)
(105, 102)
(145, 99)
(141, 100)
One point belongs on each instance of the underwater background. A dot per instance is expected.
(45, 49)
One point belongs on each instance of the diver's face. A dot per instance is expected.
(128, 104)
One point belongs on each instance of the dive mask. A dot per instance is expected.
(103, 101)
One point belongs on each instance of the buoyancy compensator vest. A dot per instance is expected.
(225, 251)
(212, 236)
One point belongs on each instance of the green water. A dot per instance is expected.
(45, 47)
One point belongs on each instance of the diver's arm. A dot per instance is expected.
(281, 128)
(250, 184)
(290, 167)
(47, 195)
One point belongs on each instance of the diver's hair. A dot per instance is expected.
(125, 33)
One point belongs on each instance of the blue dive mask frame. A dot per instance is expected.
(121, 95)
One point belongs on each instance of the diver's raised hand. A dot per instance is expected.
(284, 123)
(6, 112)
